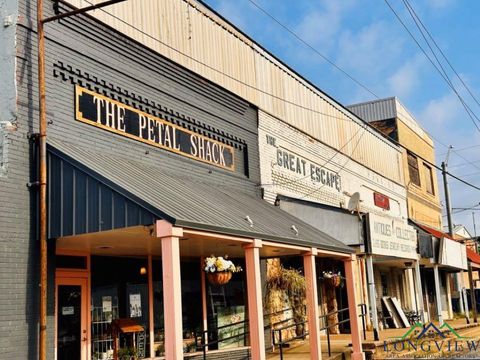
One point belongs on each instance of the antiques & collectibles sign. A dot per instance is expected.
(113, 116)
(391, 237)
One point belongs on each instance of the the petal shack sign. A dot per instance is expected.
(111, 115)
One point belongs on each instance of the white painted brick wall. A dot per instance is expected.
(354, 176)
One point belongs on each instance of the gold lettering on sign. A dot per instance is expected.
(111, 115)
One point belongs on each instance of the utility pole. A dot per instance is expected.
(460, 278)
(447, 192)
(42, 145)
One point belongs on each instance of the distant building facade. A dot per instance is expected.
(394, 120)
(440, 254)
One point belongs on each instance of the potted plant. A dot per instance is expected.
(333, 279)
(127, 353)
(219, 269)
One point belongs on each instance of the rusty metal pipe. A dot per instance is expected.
(81, 10)
(42, 144)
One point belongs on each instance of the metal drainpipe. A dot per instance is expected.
(42, 143)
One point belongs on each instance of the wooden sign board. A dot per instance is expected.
(111, 115)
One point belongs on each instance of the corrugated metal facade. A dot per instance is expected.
(97, 192)
(79, 203)
(195, 37)
(389, 108)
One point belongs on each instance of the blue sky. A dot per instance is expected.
(365, 39)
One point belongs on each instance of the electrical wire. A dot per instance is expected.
(294, 181)
(462, 164)
(313, 48)
(443, 54)
(421, 26)
(412, 13)
(463, 149)
(274, 96)
(336, 172)
(470, 113)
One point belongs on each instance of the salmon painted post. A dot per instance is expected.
(254, 295)
(356, 332)
(172, 288)
(203, 279)
(312, 304)
(151, 327)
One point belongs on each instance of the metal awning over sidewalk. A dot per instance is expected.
(149, 191)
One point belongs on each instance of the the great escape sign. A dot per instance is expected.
(113, 116)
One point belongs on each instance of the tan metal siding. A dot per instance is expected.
(214, 49)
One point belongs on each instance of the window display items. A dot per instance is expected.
(135, 306)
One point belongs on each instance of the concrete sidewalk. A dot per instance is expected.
(340, 343)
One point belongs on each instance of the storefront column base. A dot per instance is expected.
(419, 293)
(172, 285)
(438, 296)
(356, 332)
(312, 305)
(255, 305)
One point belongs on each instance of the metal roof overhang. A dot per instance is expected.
(474, 258)
(183, 201)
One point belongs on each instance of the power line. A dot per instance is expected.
(463, 149)
(336, 172)
(298, 37)
(470, 174)
(460, 210)
(463, 164)
(443, 55)
(419, 22)
(294, 181)
(286, 101)
(312, 48)
(467, 109)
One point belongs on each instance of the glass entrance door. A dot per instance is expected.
(72, 336)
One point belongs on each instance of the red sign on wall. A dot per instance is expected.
(381, 201)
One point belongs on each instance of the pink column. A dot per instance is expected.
(204, 300)
(312, 305)
(357, 353)
(172, 289)
(255, 306)
(150, 306)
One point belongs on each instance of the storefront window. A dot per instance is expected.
(191, 305)
(384, 282)
(119, 291)
(227, 312)
(158, 322)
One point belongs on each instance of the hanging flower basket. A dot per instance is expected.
(332, 279)
(219, 270)
(219, 278)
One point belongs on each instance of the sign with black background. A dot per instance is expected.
(111, 115)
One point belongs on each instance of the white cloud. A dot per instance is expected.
(320, 26)
(438, 4)
(371, 50)
(406, 78)
(443, 111)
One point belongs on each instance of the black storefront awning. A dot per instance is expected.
(90, 192)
